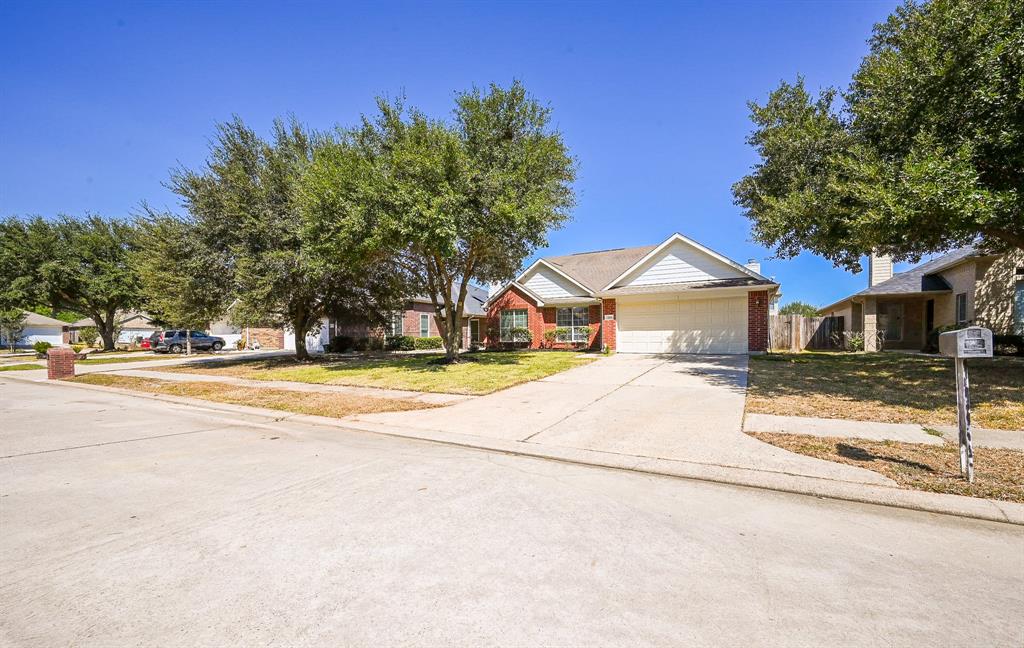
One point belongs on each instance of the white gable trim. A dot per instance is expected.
(515, 284)
(687, 241)
(560, 273)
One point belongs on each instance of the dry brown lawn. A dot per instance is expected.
(289, 400)
(998, 473)
(886, 387)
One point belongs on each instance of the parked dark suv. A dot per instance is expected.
(174, 342)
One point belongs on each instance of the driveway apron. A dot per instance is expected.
(681, 407)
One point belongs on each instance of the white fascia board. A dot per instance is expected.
(514, 284)
(688, 241)
(560, 273)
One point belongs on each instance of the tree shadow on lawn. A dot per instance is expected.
(417, 363)
(860, 454)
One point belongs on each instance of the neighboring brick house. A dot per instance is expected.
(965, 286)
(418, 320)
(674, 297)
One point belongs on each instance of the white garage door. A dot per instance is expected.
(683, 326)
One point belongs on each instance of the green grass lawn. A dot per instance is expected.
(485, 373)
(887, 387)
(21, 367)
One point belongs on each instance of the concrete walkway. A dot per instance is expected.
(683, 408)
(904, 432)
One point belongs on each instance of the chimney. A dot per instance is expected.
(879, 269)
(754, 265)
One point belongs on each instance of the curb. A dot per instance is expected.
(939, 503)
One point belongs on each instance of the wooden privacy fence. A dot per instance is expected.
(796, 332)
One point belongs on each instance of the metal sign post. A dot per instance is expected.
(971, 342)
(963, 411)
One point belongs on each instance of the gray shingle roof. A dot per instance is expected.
(475, 299)
(35, 319)
(922, 277)
(691, 285)
(595, 270)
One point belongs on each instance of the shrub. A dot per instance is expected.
(1008, 345)
(77, 348)
(375, 343)
(361, 344)
(428, 343)
(240, 344)
(340, 343)
(42, 347)
(401, 343)
(88, 334)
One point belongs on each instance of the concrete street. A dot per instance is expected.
(128, 521)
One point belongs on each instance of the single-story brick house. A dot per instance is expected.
(418, 320)
(674, 297)
(964, 286)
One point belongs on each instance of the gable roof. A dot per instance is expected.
(35, 319)
(677, 237)
(919, 279)
(594, 270)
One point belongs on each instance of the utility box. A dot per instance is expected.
(971, 342)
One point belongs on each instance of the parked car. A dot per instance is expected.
(174, 341)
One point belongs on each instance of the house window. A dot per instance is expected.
(512, 319)
(961, 308)
(1018, 308)
(424, 325)
(474, 330)
(397, 325)
(576, 321)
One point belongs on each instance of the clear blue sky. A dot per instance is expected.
(98, 101)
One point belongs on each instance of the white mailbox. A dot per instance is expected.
(971, 342)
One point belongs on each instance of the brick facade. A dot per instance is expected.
(60, 364)
(269, 338)
(539, 320)
(609, 327)
(757, 321)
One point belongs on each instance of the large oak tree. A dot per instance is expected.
(454, 201)
(924, 151)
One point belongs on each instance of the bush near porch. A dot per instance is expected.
(886, 387)
(481, 373)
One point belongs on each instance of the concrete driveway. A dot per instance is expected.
(682, 407)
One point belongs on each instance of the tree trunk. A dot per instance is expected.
(299, 326)
(106, 330)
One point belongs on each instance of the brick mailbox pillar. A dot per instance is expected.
(60, 364)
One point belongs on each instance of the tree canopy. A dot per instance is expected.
(799, 308)
(924, 151)
(83, 265)
(451, 201)
(247, 220)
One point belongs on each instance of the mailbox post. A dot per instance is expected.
(971, 342)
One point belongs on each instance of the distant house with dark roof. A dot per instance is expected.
(674, 297)
(964, 286)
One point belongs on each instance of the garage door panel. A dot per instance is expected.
(683, 326)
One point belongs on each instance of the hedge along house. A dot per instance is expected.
(675, 297)
(964, 286)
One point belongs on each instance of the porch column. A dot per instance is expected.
(870, 324)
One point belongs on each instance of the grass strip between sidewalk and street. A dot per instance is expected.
(21, 367)
(998, 473)
(100, 360)
(478, 373)
(299, 402)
